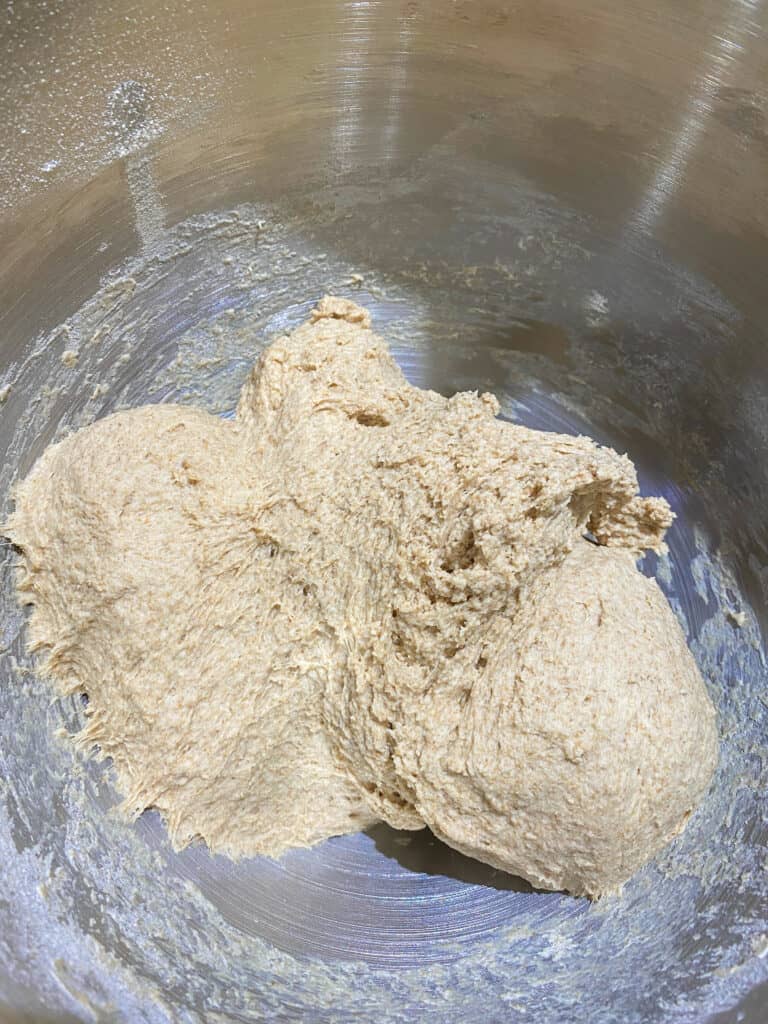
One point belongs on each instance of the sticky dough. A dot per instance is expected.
(362, 601)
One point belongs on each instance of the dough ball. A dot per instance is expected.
(361, 600)
(158, 593)
(587, 740)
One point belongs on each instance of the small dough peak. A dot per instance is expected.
(332, 308)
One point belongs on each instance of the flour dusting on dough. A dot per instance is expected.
(363, 601)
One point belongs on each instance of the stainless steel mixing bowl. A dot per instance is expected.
(562, 201)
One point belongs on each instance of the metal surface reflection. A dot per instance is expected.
(725, 50)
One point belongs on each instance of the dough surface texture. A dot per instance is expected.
(363, 601)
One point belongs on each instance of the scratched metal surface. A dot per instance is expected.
(563, 203)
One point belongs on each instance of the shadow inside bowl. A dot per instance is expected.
(425, 854)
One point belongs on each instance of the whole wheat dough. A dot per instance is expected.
(362, 601)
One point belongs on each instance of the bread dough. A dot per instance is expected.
(363, 601)
(608, 734)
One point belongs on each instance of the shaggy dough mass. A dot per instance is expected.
(362, 601)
